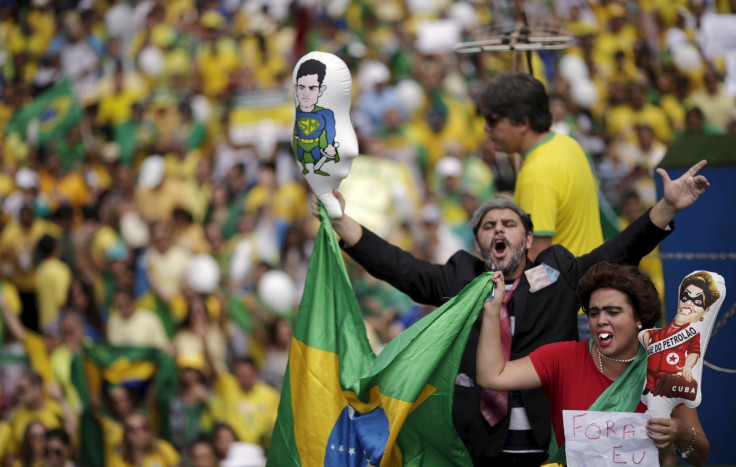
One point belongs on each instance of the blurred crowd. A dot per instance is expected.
(161, 205)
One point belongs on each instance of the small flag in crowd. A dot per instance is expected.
(56, 110)
(343, 405)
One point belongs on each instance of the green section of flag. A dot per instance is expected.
(429, 353)
(56, 110)
(415, 372)
(134, 361)
(90, 430)
(163, 311)
(609, 218)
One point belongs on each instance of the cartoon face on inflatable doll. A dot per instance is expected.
(324, 140)
(675, 353)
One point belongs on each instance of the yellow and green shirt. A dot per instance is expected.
(557, 188)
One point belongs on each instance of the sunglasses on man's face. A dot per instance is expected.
(491, 120)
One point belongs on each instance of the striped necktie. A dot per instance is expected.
(494, 405)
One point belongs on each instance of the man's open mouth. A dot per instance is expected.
(499, 247)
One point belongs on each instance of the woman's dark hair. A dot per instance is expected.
(638, 287)
(26, 449)
(91, 314)
(126, 448)
(517, 96)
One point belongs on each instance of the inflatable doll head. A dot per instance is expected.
(324, 140)
(675, 353)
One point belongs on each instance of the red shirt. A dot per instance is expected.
(570, 379)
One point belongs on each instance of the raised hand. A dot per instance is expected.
(683, 192)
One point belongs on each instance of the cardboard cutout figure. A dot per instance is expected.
(675, 353)
(324, 142)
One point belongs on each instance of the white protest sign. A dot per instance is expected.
(608, 439)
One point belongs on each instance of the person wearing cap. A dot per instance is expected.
(190, 408)
(542, 302)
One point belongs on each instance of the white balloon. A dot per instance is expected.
(277, 291)
(201, 108)
(118, 20)
(464, 13)
(151, 61)
(584, 93)
(203, 274)
(686, 58)
(134, 230)
(411, 95)
(573, 68)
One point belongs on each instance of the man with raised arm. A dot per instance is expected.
(541, 303)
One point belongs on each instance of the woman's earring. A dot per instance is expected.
(638, 326)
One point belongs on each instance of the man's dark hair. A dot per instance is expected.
(202, 439)
(46, 246)
(245, 361)
(60, 434)
(312, 67)
(517, 96)
(637, 286)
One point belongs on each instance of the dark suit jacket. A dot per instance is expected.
(545, 316)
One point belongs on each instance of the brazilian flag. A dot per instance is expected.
(99, 366)
(343, 405)
(56, 109)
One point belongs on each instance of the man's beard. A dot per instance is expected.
(515, 255)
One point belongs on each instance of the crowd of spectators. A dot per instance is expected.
(180, 158)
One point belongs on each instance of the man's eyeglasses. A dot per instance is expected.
(696, 300)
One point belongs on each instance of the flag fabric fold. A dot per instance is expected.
(342, 404)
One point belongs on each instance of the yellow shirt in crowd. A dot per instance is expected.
(251, 414)
(164, 455)
(53, 278)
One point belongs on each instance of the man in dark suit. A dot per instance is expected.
(543, 304)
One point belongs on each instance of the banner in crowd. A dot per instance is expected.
(343, 404)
